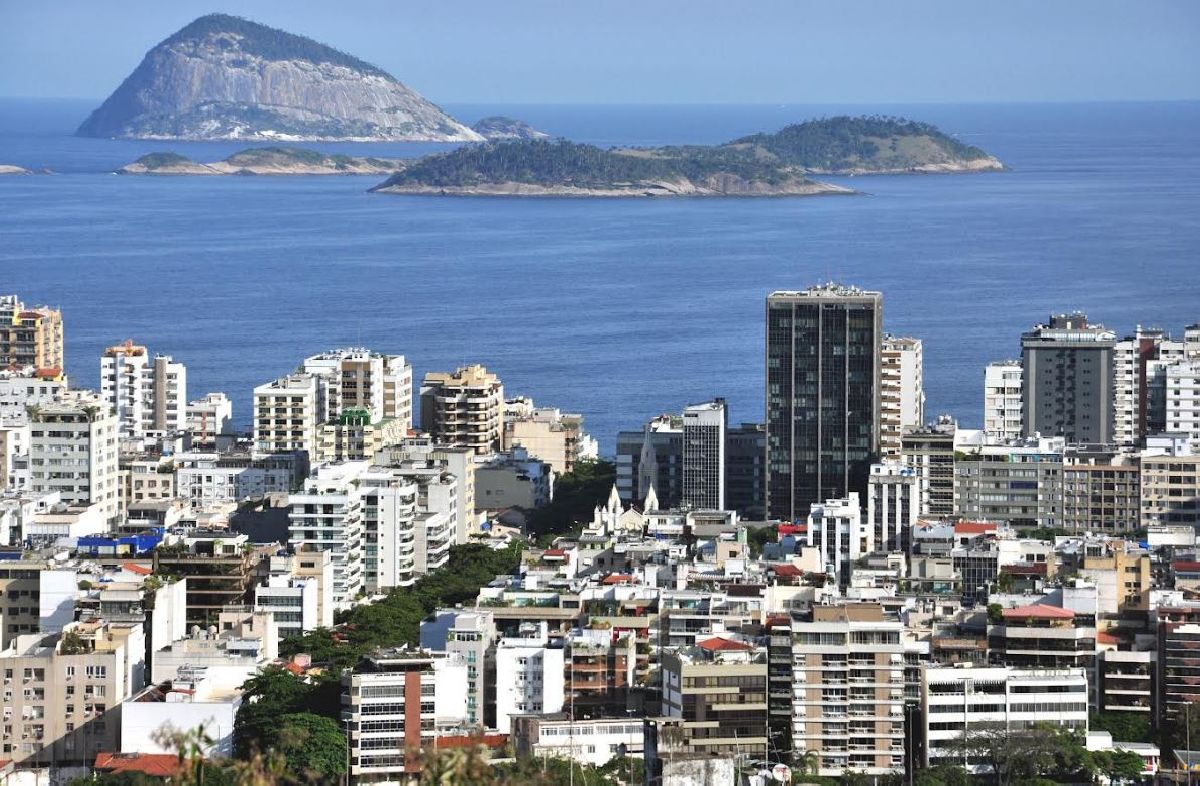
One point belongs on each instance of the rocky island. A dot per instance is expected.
(264, 161)
(776, 164)
(9, 169)
(224, 77)
(497, 128)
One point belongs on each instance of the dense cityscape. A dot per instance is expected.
(385, 582)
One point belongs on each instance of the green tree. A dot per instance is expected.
(1123, 726)
(312, 746)
(576, 495)
(942, 775)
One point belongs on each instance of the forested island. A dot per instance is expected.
(264, 161)
(777, 164)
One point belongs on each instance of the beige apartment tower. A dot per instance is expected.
(464, 408)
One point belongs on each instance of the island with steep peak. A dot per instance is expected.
(778, 164)
(498, 128)
(264, 161)
(224, 77)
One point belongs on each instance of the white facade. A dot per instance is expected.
(529, 676)
(901, 391)
(1002, 400)
(955, 700)
(892, 504)
(27, 387)
(389, 530)
(73, 452)
(1182, 403)
(286, 414)
(183, 705)
(292, 601)
(836, 527)
(145, 394)
(704, 455)
(327, 515)
(1140, 364)
(209, 479)
(358, 378)
(210, 416)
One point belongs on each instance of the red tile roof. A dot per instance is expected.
(295, 668)
(1107, 638)
(718, 644)
(50, 372)
(133, 567)
(974, 527)
(618, 578)
(1039, 611)
(1185, 565)
(787, 570)
(467, 740)
(163, 765)
(553, 553)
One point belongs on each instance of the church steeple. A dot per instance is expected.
(651, 500)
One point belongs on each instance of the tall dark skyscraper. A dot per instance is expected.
(1068, 380)
(823, 377)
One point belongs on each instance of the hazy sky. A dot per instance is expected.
(662, 51)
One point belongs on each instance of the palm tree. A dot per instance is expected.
(808, 762)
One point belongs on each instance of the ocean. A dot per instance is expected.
(618, 309)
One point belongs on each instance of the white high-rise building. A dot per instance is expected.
(893, 500)
(286, 414)
(327, 515)
(1002, 400)
(957, 700)
(530, 678)
(146, 394)
(836, 527)
(73, 452)
(1140, 362)
(901, 391)
(209, 417)
(358, 378)
(704, 455)
(390, 530)
(1183, 400)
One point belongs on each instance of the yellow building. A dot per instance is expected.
(30, 336)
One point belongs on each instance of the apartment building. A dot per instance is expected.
(901, 392)
(34, 598)
(1182, 401)
(59, 691)
(397, 703)
(1002, 413)
(1020, 484)
(327, 515)
(836, 527)
(1140, 371)
(219, 567)
(359, 379)
(73, 452)
(1068, 383)
(651, 457)
(457, 460)
(1102, 495)
(1044, 636)
(530, 675)
(848, 689)
(390, 530)
(929, 452)
(465, 407)
(287, 412)
(892, 502)
(718, 689)
(206, 479)
(704, 427)
(957, 699)
(469, 634)
(146, 394)
(546, 432)
(352, 435)
(30, 335)
(25, 387)
(208, 418)
(1170, 489)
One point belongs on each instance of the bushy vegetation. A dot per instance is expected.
(156, 160)
(563, 163)
(270, 43)
(396, 620)
(831, 144)
(576, 495)
(845, 142)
